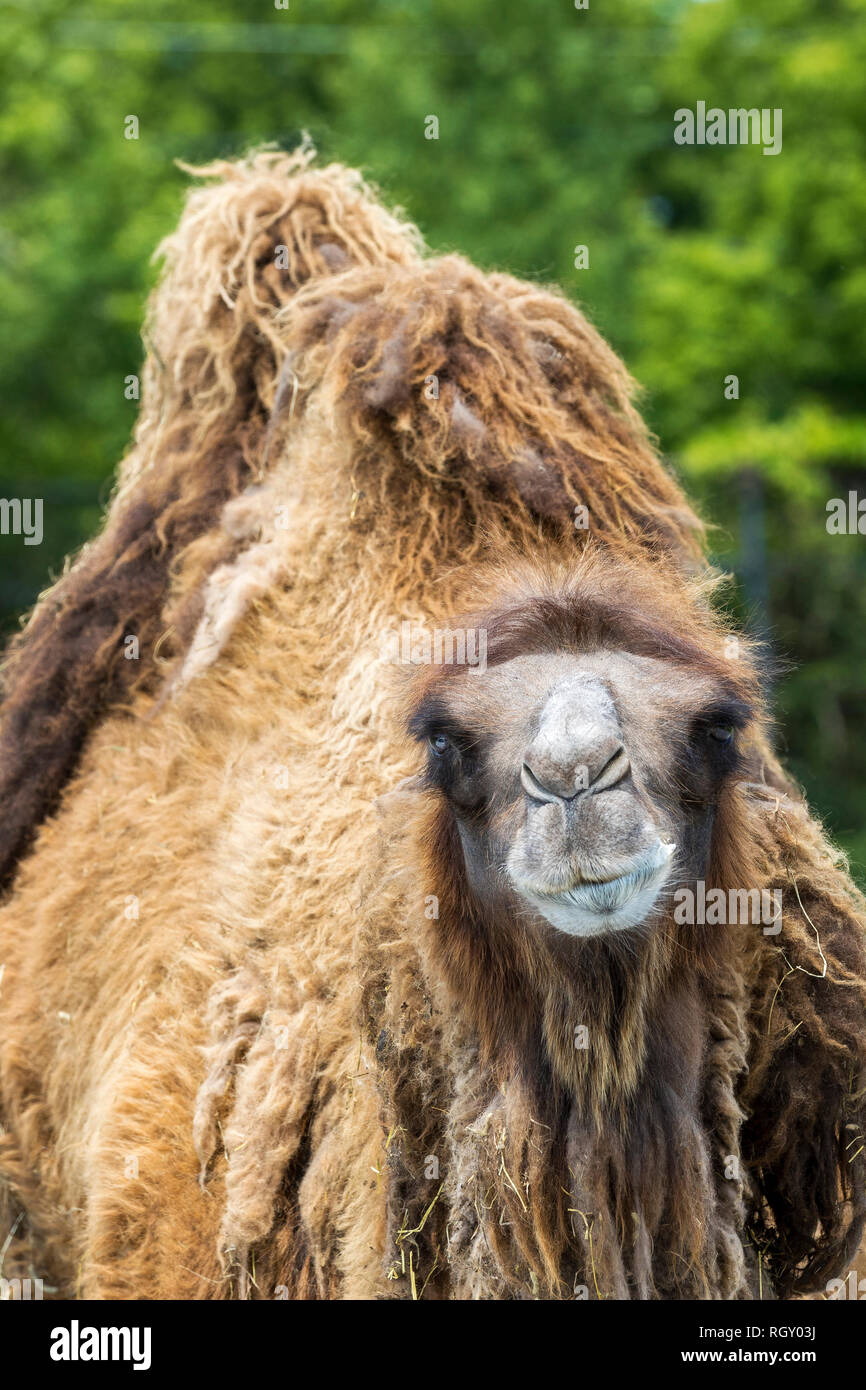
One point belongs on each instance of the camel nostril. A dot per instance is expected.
(616, 767)
(563, 785)
(536, 789)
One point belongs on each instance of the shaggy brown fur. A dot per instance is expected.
(191, 1094)
(213, 389)
(702, 1147)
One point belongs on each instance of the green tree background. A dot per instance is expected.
(555, 129)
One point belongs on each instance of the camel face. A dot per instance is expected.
(583, 785)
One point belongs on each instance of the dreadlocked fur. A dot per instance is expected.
(337, 435)
(212, 388)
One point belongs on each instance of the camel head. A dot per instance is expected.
(608, 754)
(583, 766)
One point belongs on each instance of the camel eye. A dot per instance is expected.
(439, 743)
(722, 733)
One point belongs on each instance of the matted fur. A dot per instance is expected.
(210, 382)
(220, 1073)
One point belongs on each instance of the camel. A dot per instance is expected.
(228, 1039)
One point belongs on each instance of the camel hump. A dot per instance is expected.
(253, 232)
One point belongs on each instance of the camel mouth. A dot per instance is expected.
(593, 906)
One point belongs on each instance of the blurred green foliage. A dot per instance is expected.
(555, 130)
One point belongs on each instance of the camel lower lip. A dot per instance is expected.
(591, 906)
(606, 895)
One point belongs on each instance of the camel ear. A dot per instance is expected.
(804, 1091)
(400, 795)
